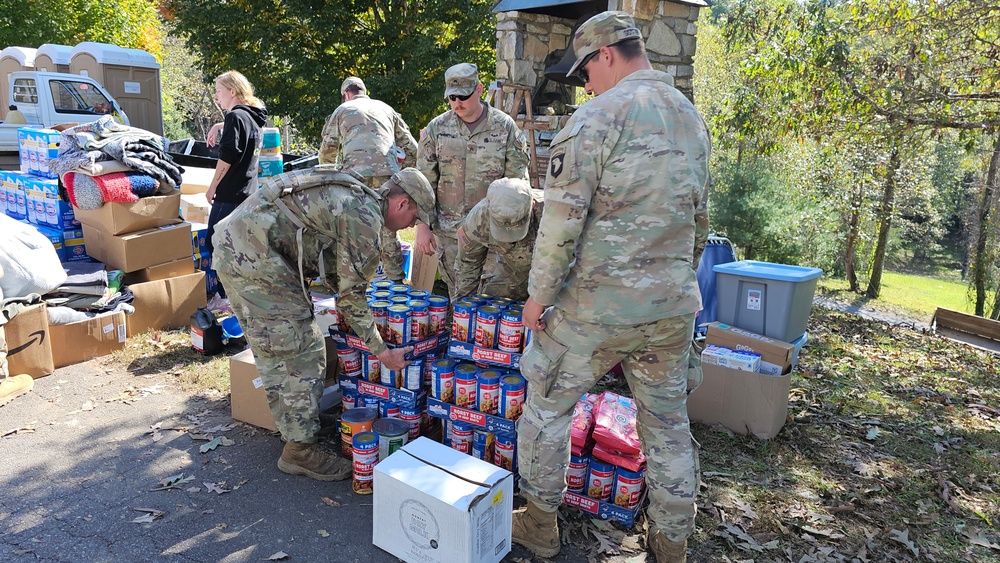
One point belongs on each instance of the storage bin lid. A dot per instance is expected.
(767, 270)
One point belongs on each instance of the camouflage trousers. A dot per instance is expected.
(447, 252)
(287, 344)
(565, 360)
(392, 252)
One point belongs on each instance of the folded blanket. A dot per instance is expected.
(91, 192)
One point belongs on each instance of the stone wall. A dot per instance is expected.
(524, 40)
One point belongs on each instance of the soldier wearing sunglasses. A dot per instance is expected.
(461, 152)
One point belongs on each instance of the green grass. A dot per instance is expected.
(908, 295)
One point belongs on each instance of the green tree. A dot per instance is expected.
(297, 52)
(133, 24)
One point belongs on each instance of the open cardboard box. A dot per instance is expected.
(744, 402)
(87, 339)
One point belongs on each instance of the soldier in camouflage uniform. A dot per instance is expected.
(461, 152)
(624, 226)
(505, 223)
(364, 135)
(307, 223)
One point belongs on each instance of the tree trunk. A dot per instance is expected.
(980, 258)
(853, 234)
(885, 210)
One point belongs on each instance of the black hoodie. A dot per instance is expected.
(240, 147)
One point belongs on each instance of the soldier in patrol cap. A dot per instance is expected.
(505, 223)
(613, 279)
(461, 152)
(369, 137)
(323, 223)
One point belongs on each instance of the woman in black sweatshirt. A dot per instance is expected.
(239, 146)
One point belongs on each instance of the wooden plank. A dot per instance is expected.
(964, 322)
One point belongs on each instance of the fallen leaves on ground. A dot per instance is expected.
(150, 514)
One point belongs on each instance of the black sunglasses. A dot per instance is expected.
(581, 70)
(456, 97)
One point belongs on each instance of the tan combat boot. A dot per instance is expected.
(665, 550)
(308, 459)
(14, 386)
(536, 530)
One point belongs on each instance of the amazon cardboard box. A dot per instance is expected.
(179, 267)
(120, 218)
(29, 345)
(83, 340)
(167, 303)
(142, 249)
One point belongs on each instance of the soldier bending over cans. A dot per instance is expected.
(317, 222)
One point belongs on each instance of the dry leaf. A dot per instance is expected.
(977, 537)
(150, 515)
(330, 502)
(873, 433)
(280, 556)
(88, 406)
(215, 488)
(205, 448)
(605, 546)
(323, 533)
(903, 538)
(175, 480)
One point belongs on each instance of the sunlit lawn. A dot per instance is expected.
(908, 295)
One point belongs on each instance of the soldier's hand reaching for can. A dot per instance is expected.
(393, 358)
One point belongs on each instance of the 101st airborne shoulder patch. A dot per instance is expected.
(556, 165)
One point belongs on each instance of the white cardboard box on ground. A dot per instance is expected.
(433, 504)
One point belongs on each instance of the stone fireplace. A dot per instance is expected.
(533, 35)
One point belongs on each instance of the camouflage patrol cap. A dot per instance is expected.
(603, 30)
(461, 79)
(509, 201)
(415, 184)
(353, 81)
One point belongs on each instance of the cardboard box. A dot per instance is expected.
(166, 303)
(423, 270)
(121, 218)
(775, 355)
(135, 251)
(744, 402)
(195, 208)
(196, 180)
(179, 267)
(436, 504)
(84, 340)
(29, 345)
(247, 397)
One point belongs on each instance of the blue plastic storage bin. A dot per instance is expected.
(769, 299)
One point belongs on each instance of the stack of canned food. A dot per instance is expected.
(490, 322)
(402, 314)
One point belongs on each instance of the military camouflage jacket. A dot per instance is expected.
(362, 134)
(626, 207)
(341, 224)
(461, 165)
(513, 258)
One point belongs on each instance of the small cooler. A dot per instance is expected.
(769, 299)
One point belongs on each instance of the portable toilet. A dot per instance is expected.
(53, 58)
(13, 59)
(132, 76)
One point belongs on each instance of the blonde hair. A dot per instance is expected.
(240, 86)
